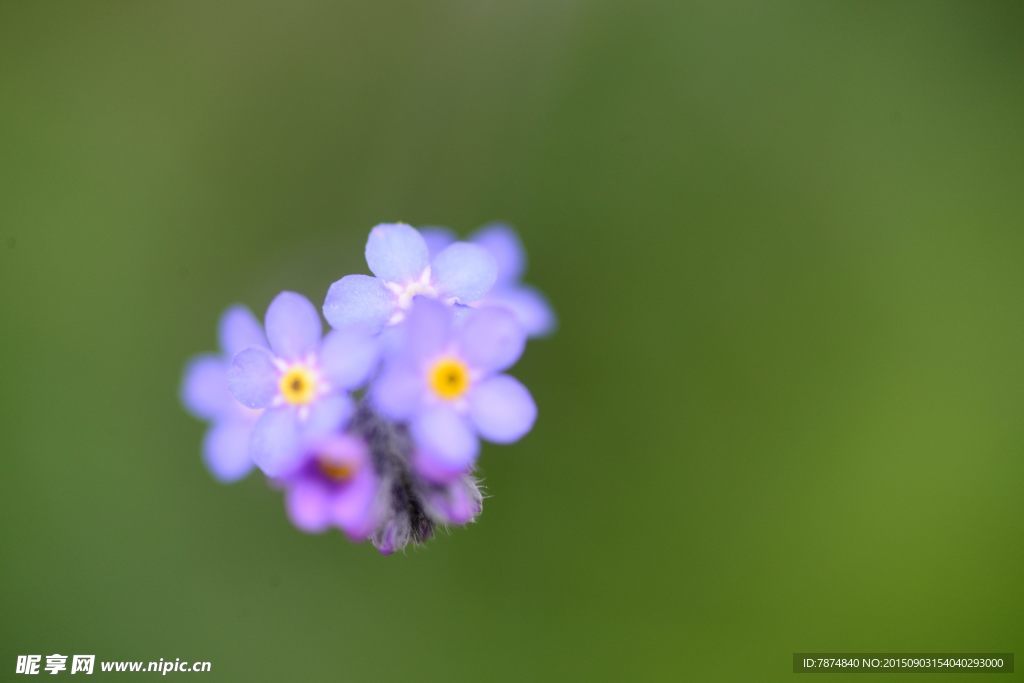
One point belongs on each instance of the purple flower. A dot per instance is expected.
(448, 319)
(204, 392)
(301, 382)
(335, 486)
(444, 381)
(399, 257)
(501, 241)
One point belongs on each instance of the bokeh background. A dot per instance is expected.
(784, 410)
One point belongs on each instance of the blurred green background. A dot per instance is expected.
(783, 410)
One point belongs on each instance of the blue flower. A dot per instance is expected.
(400, 259)
(301, 381)
(433, 331)
(444, 380)
(204, 392)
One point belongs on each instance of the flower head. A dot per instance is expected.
(301, 381)
(432, 332)
(445, 381)
(401, 261)
(205, 394)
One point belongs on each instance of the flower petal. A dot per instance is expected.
(446, 434)
(293, 326)
(398, 391)
(441, 468)
(276, 445)
(327, 415)
(427, 328)
(204, 389)
(395, 252)
(226, 450)
(343, 449)
(505, 246)
(530, 307)
(502, 409)
(353, 508)
(437, 238)
(458, 502)
(307, 504)
(348, 357)
(358, 300)
(391, 340)
(239, 329)
(491, 339)
(253, 377)
(464, 271)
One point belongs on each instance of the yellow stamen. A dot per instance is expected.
(339, 471)
(449, 378)
(298, 385)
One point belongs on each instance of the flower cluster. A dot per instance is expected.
(375, 427)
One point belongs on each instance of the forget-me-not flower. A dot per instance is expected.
(403, 268)
(445, 381)
(301, 381)
(431, 333)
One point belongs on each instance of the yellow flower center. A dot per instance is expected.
(298, 385)
(449, 378)
(338, 471)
